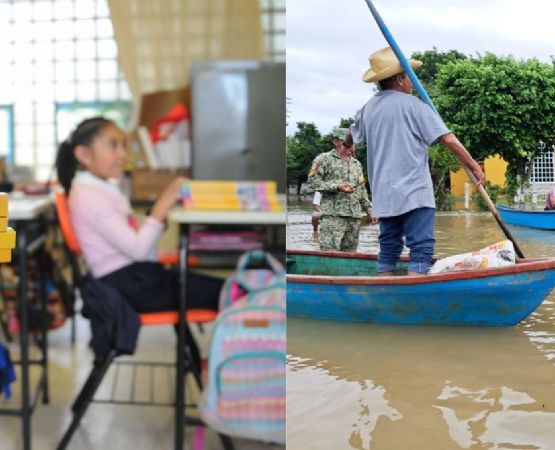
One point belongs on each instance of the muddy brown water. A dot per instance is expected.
(367, 386)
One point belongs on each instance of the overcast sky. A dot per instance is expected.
(329, 42)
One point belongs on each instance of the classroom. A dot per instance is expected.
(142, 224)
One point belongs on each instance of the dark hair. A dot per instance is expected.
(348, 142)
(388, 83)
(84, 134)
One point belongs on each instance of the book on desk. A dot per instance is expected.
(230, 196)
(220, 245)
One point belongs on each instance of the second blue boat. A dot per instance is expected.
(544, 220)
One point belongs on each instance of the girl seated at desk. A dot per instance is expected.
(116, 250)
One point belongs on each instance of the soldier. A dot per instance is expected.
(316, 209)
(338, 176)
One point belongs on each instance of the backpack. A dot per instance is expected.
(255, 270)
(7, 373)
(245, 392)
(58, 294)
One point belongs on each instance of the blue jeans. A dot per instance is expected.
(417, 227)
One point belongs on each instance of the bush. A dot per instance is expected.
(444, 200)
(493, 191)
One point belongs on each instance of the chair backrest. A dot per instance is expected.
(64, 220)
(71, 244)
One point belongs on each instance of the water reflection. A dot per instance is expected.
(496, 418)
(358, 405)
(367, 386)
(537, 242)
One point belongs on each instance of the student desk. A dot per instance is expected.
(186, 218)
(27, 215)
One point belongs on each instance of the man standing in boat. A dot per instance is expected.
(337, 174)
(398, 129)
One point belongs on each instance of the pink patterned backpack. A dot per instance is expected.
(255, 270)
(245, 392)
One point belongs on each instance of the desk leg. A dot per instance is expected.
(24, 337)
(180, 370)
(44, 328)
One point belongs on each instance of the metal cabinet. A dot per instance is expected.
(238, 121)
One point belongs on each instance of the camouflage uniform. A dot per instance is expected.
(341, 212)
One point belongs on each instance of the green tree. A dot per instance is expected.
(442, 162)
(302, 148)
(432, 61)
(441, 159)
(498, 105)
(306, 144)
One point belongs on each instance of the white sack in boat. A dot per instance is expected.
(501, 254)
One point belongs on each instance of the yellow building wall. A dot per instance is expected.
(494, 168)
(458, 179)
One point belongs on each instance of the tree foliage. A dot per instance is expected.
(306, 144)
(498, 105)
(442, 160)
(495, 105)
(302, 148)
(432, 61)
(493, 193)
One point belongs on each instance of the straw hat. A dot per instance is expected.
(384, 64)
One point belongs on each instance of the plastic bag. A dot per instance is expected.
(500, 254)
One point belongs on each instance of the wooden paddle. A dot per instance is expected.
(426, 98)
(494, 211)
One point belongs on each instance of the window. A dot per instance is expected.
(55, 53)
(273, 25)
(59, 63)
(6, 132)
(542, 169)
(68, 114)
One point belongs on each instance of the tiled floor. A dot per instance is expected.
(107, 427)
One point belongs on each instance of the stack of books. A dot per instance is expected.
(7, 234)
(226, 240)
(230, 196)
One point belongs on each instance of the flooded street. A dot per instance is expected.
(383, 387)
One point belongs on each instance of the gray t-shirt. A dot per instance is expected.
(398, 128)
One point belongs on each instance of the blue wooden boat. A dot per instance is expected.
(534, 219)
(344, 286)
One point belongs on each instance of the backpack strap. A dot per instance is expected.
(259, 257)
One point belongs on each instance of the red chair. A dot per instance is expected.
(86, 395)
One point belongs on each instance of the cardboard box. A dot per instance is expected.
(158, 104)
(147, 185)
(152, 107)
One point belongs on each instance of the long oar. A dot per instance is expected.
(426, 98)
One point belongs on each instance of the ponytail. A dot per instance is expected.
(84, 134)
(66, 164)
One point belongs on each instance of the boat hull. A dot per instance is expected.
(492, 297)
(544, 220)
